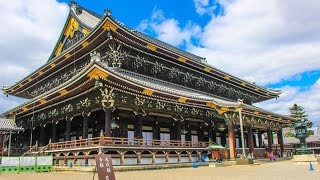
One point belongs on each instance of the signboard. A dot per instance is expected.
(104, 167)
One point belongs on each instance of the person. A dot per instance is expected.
(273, 157)
(270, 156)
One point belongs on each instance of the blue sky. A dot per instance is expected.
(268, 43)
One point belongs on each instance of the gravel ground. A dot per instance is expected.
(268, 171)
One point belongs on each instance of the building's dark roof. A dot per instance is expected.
(8, 125)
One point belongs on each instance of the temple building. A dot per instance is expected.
(111, 89)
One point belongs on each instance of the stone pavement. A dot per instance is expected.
(265, 171)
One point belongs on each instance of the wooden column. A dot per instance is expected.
(260, 138)
(280, 141)
(156, 130)
(270, 140)
(214, 135)
(68, 129)
(138, 126)
(254, 140)
(210, 137)
(42, 135)
(188, 134)
(232, 142)
(153, 154)
(107, 121)
(85, 125)
(200, 133)
(54, 132)
(178, 131)
(123, 128)
(223, 138)
(250, 139)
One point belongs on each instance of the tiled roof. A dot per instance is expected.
(87, 17)
(171, 88)
(8, 125)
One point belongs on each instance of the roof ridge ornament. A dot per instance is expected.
(107, 12)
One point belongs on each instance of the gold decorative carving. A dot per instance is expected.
(63, 91)
(107, 97)
(58, 50)
(151, 47)
(97, 73)
(182, 59)
(243, 84)
(42, 101)
(227, 77)
(72, 27)
(182, 99)
(148, 92)
(85, 31)
(29, 79)
(207, 69)
(24, 108)
(84, 44)
(40, 72)
(212, 105)
(67, 56)
(52, 65)
(109, 25)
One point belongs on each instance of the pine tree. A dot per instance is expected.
(298, 113)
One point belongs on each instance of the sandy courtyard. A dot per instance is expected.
(269, 171)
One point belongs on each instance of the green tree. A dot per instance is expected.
(298, 113)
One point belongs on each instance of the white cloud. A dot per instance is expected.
(205, 6)
(168, 29)
(309, 99)
(263, 41)
(28, 33)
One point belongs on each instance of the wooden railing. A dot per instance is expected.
(31, 149)
(113, 141)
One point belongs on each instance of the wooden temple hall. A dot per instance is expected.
(111, 89)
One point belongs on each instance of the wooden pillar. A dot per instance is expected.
(54, 132)
(156, 130)
(138, 157)
(223, 138)
(178, 131)
(232, 143)
(68, 129)
(179, 157)
(153, 154)
(188, 134)
(167, 156)
(214, 135)
(123, 128)
(138, 126)
(85, 125)
(107, 121)
(122, 158)
(42, 135)
(190, 156)
(200, 133)
(210, 139)
(260, 138)
(280, 141)
(270, 140)
(250, 139)
(254, 140)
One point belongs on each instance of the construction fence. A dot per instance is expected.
(26, 164)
